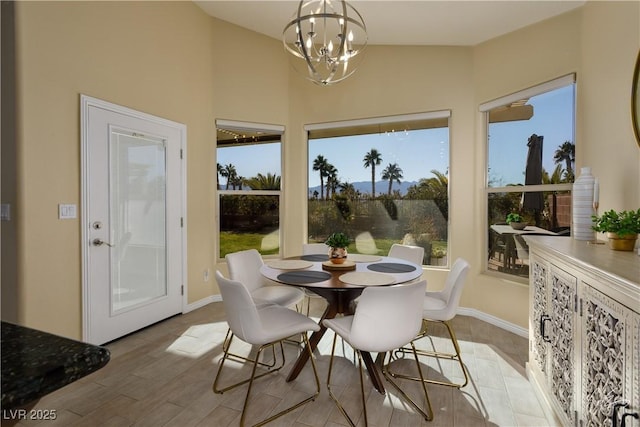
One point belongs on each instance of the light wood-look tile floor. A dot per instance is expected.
(162, 376)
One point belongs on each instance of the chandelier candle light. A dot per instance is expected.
(327, 36)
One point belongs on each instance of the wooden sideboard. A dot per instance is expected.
(584, 331)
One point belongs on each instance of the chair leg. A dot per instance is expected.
(451, 356)
(331, 395)
(227, 355)
(426, 413)
(227, 343)
(254, 377)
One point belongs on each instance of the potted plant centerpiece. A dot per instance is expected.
(515, 221)
(622, 228)
(338, 243)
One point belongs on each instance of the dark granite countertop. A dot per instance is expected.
(35, 363)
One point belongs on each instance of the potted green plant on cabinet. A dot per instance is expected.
(622, 228)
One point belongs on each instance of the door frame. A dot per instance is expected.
(86, 102)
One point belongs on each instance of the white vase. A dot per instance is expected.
(582, 206)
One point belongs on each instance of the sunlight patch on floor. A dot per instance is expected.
(198, 340)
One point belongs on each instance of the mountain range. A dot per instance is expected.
(381, 187)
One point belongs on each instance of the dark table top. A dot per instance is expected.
(35, 363)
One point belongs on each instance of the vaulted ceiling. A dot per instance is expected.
(426, 22)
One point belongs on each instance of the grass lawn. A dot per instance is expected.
(234, 242)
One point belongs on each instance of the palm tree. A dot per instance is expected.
(229, 172)
(436, 189)
(372, 158)
(393, 173)
(566, 153)
(332, 180)
(320, 164)
(555, 178)
(348, 190)
(264, 182)
(237, 181)
(218, 174)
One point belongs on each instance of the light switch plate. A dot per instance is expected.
(67, 211)
(5, 212)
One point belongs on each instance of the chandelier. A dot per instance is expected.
(328, 36)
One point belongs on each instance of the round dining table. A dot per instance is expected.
(339, 286)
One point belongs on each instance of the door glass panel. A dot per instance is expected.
(137, 219)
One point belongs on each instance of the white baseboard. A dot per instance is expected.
(472, 312)
(201, 303)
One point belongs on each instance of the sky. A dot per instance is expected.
(552, 118)
(415, 152)
(418, 152)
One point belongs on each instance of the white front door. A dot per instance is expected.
(132, 218)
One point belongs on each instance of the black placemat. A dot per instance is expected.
(315, 257)
(301, 277)
(391, 267)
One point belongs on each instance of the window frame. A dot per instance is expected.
(384, 123)
(484, 109)
(272, 129)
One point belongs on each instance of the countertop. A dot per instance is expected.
(621, 268)
(35, 363)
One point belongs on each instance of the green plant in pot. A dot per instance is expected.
(515, 221)
(622, 228)
(338, 243)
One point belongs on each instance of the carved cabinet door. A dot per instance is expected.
(610, 358)
(563, 358)
(540, 325)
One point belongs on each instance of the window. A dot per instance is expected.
(248, 185)
(530, 169)
(381, 181)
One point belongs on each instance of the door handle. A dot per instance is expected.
(100, 242)
(614, 413)
(543, 320)
(628, 414)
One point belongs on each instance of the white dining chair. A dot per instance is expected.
(387, 317)
(441, 307)
(414, 254)
(244, 267)
(263, 325)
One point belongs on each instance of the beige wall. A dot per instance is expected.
(392, 80)
(502, 66)
(153, 57)
(171, 60)
(610, 33)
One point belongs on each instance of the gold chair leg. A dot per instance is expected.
(297, 405)
(364, 398)
(426, 413)
(254, 377)
(451, 356)
(238, 358)
(227, 355)
(331, 395)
